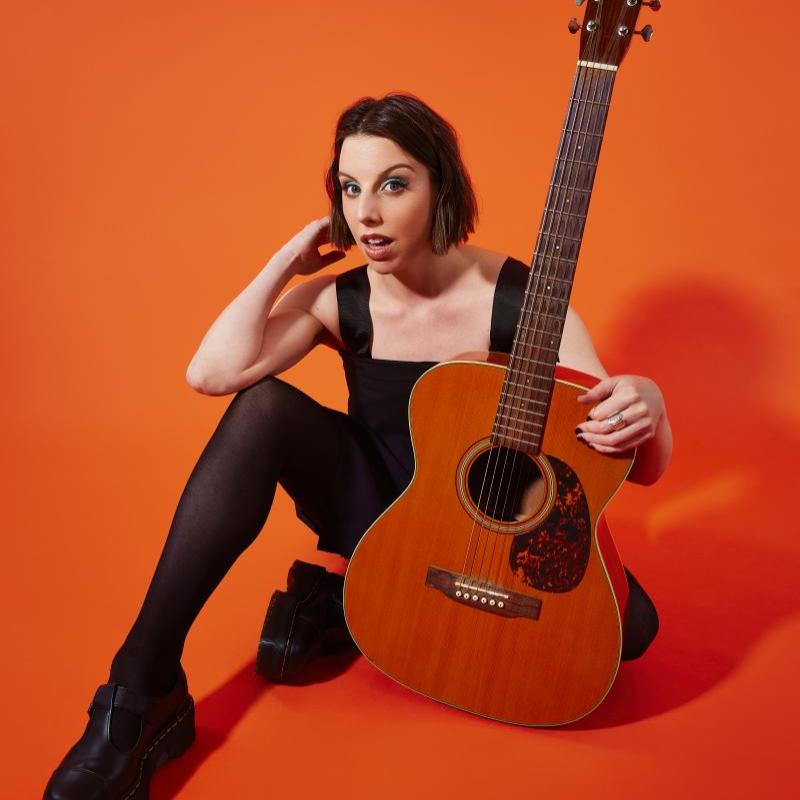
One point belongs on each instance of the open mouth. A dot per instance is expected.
(376, 239)
(377, 245)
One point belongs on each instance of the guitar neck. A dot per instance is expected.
(527, 388)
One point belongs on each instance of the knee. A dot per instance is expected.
(638, 634)
(640, 622)
(267, 401)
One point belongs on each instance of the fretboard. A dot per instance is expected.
(525, 397)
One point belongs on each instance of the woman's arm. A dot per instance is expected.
(639, 399)
(234, 339)
(652, 457)
(250, 338)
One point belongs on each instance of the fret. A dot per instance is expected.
(565, 213)
(552, 316)
(516, 412)
(567, 186)
(593, 102)
(538, 294)
(540, 346)
(560, 236)
(536, 361)
(575, 161)
(515, 440)
(528, 386)
(512, 428)
(585, 133)
(570, 261)
(528, 400)
(559, 258)
(540, 273)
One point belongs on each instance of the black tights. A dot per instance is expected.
(270, 433)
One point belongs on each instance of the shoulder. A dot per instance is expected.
(491, 262)
(316, 296)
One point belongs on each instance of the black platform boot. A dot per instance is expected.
(95, 769)
(302, 622)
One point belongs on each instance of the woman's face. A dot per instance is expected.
(379, 196)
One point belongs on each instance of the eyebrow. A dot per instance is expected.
(388, 169)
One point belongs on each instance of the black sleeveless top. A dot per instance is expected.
(376, 457)
(380, 388)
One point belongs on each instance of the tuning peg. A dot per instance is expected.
(574, 26)
(646, 33)
(654, 5)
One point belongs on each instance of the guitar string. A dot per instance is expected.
(582, 108)
(569, 148)
(530, 331)
(578, 110)
(514, 392)
(602, 85)
(566, 136)
(584, 111)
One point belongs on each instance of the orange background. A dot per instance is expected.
(155, 158)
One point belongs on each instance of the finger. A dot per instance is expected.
(332, 257)
(630, 414)
(600, 390)
(620, 438)
(322, 230)
(622, 448)
(623, 397)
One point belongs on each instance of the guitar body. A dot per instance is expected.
(516, 617)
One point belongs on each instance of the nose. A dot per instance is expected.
(368, 209)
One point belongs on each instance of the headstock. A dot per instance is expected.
(608, 27)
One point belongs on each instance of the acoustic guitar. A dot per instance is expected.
(492, 583)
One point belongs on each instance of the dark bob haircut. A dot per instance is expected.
(431, 140)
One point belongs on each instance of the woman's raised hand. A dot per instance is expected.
(303, 248)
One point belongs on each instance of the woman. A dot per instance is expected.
(400, 192)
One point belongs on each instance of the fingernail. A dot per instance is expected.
(578, 430)
(589, 418)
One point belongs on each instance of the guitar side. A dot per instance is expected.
(553, 661)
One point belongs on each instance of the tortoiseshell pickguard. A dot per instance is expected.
(553, 556)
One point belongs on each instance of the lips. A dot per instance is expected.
(378, 252)
(379, 238)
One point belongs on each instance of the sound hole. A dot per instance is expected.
(506, 484)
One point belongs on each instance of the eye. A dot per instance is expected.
(399, 182)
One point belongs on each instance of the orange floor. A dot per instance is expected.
(155, 159)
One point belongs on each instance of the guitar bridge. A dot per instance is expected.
(486, 597)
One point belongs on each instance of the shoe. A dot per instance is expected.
(302, 622)
(95, 769)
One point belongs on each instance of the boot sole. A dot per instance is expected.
(171, 742)
(275, 644)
